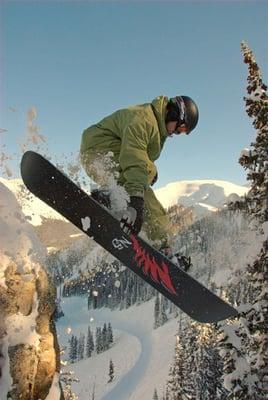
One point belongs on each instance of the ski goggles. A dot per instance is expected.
(182, 110)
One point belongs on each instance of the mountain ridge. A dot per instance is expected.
(204, 196)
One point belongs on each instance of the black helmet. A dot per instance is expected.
(186, 111)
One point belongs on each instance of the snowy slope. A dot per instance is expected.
(141, 355)
(203, 195)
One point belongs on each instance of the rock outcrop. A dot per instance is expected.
(29, 353)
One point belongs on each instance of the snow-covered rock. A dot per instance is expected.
(33, 208)
(28, 355)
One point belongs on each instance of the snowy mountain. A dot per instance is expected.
(204, 196)
(56, 232)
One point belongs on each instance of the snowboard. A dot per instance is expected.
(54, 188)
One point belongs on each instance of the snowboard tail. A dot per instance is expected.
(53, 187)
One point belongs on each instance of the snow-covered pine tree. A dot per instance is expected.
(209, 382)
(105, 339)
(233, 342)
(255, 160)
(190, 362)
(197, 368)
(163, 306)
(245, 342)
(110, 335)
(157, 311)
(73, 349)
(81, 347)
(90, 343)
(257, 200)
(111, 371)
(166, 394)
(175, 383)
(155, 395)
(99, 341)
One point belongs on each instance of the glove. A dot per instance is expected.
(132, 219)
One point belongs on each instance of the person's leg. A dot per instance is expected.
(99, 167)
(103, 170)
(156, 223)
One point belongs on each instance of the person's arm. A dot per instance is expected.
(137, 168)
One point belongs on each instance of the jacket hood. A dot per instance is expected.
(159, 105)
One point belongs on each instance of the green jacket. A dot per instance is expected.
(136, 136)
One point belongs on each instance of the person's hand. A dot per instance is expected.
(132, 218)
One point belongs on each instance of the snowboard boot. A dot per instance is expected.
(167, 251)
(102, 196)
(183, 261)
(179, 259)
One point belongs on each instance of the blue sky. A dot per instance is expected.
(79, 61)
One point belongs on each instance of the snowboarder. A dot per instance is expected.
(58, 191)
(123, 147)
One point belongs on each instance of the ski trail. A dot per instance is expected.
(125, 322)
(127, 385)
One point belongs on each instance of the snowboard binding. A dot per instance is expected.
(183, 261)
(102, 196)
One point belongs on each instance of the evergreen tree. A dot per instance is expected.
(189, 360)
(110, 335)
(157, 311)
(184, 376)
(250, 382)
(155, 395)
(166, 395)
(175, 382)
(99, 341)
(255, 159)
(257, 201)
(111, 371)
(236, 369)
(210, 365)
(73, 349)
(105, 342)
(163, 316)
(90, 343)
(81, 347)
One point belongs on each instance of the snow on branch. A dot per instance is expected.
(255, 159)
